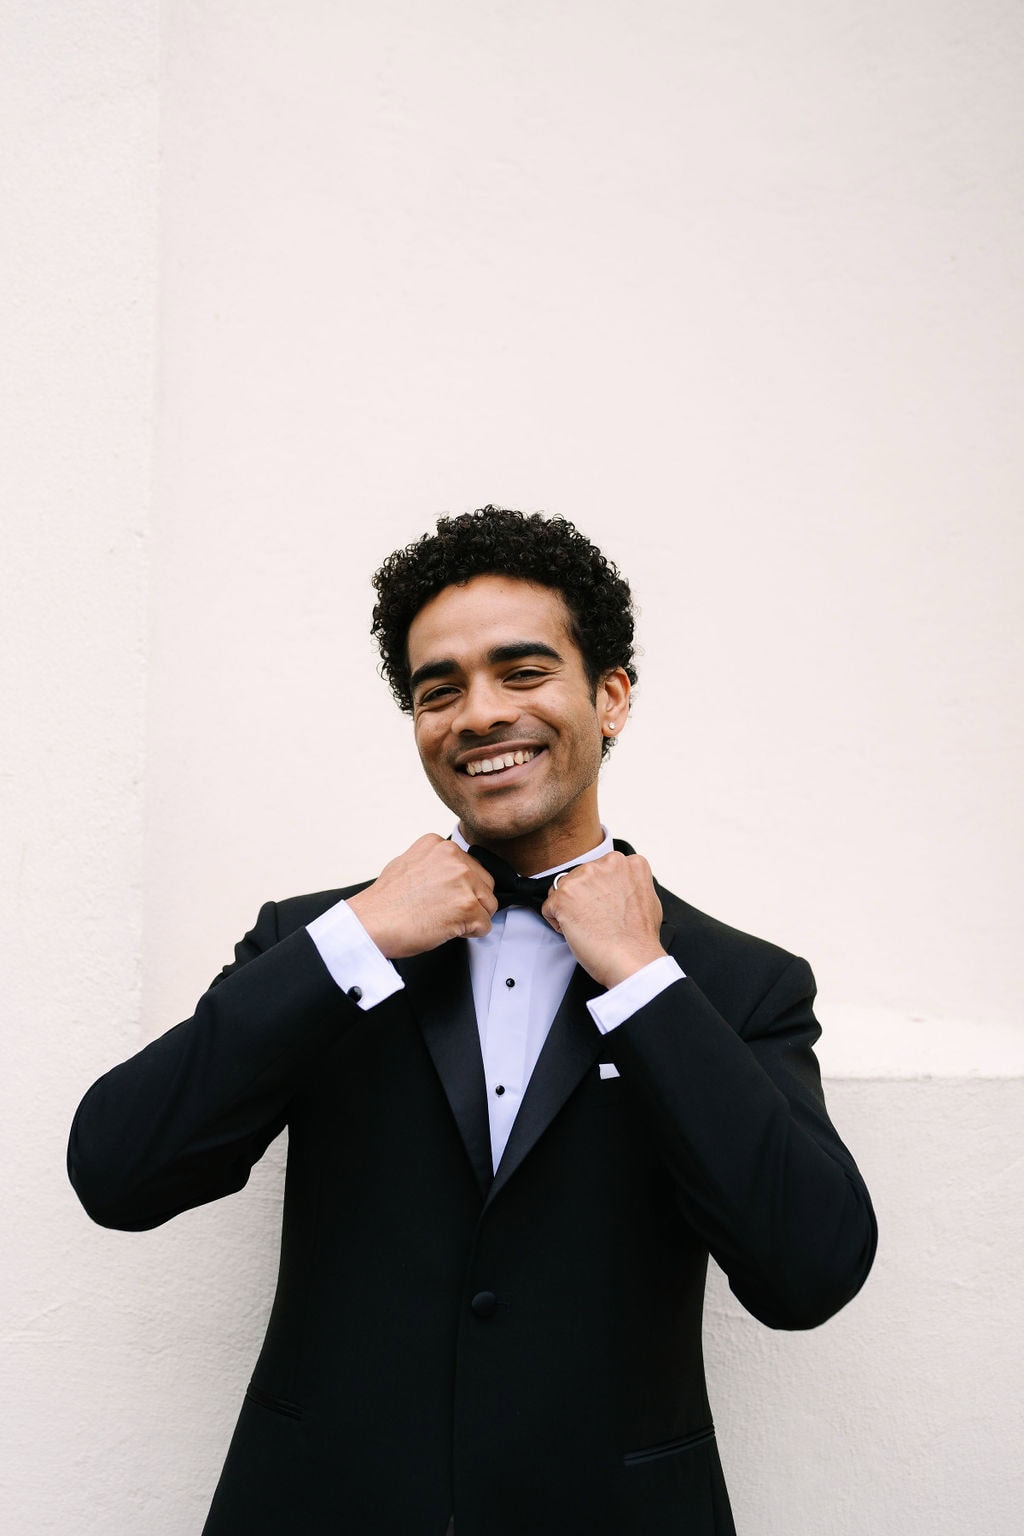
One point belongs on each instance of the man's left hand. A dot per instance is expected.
(609, 914)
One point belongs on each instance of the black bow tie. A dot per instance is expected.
(510, 889)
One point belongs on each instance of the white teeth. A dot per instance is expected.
(495, 764)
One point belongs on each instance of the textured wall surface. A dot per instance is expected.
(78, 310)
(736, 292)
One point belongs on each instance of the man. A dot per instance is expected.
(519, 1117)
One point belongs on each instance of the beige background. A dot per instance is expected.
(737, 289)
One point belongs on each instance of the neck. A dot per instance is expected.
(530, 852)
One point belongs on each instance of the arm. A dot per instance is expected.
(183, 1121)
(733, 1097)
(759, 1169)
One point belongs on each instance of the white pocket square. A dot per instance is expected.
(608, 1069)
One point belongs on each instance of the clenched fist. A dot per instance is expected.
(609, 914)
(429, 894)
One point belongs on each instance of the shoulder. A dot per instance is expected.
(277, 920)
(733, 967)
(296, 911)
(701, 929)
(707, 936)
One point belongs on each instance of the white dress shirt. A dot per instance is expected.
(519, 972)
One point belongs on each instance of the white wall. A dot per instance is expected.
(78, 288)
(737, 290)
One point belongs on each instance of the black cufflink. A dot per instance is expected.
(355, 993)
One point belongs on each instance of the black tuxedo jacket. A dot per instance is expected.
(522, 1351)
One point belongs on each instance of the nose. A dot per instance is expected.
(483, 706)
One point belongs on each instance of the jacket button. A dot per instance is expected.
(484, 1303)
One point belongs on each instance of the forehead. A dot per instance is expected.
(466, 621)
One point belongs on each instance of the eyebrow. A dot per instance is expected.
(515, 650)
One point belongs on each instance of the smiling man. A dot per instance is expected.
(528, 1090)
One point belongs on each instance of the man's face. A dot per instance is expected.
(495, 675)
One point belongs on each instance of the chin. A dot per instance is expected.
(501, 826)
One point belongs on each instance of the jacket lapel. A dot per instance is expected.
(572, 1046)
(668, 933)
(441, 995)
(439, 992)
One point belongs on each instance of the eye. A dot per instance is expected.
(435, 695)
(526, 675)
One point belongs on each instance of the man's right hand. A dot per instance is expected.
(429, 894)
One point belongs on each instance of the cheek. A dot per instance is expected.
(428, 738)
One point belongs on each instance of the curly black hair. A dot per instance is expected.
(550, 552)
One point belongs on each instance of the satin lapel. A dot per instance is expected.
(441, 997)
(572, 1046)
(668, 932)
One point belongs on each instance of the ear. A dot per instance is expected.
(612, 701)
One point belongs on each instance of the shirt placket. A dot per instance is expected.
(507, 1026)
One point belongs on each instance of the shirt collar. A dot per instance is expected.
(604, 846)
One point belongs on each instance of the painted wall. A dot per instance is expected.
(739, 294)
(78, 298)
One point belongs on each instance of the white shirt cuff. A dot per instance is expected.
(352, 958)
(614, 1007)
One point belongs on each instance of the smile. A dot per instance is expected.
(499, 764)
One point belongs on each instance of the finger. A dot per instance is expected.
(547, 912)
(478, 925)
(608, 861)
(478, 876)
(482, 887)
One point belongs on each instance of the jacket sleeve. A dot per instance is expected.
(184, 1120)
(759, 1170)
